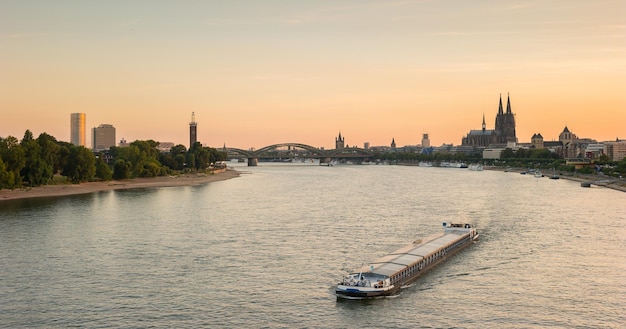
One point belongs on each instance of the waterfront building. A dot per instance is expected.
(503, 133)
(103, 137)
(567, 136)
(616, 150)
(572, 145)
(193, 130)
(339, 142)
(77, 129)
(595, 150)
(166, 146)
(480, 138)
(426, 140)
(537, 141)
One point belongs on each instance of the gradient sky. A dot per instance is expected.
(264, 72)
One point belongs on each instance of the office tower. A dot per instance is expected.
(103, 137)
(77, 129)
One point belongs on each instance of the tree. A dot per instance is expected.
(507, 153)
(50, 154)
(6, 177)
(80, 165)
(178, 149)
(103, 171)
(13, 155)
(121, 169)
(35, 171)
(143, 157)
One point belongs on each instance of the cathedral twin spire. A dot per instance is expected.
(503, 133)
(508, 105)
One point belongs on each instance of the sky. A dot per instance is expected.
(257, 73)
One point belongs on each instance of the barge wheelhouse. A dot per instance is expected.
(386, 275)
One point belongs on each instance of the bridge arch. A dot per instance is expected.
(314, 150)
(236, 151)
(350, 152)
(274, 150)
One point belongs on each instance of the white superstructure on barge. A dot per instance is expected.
(386, 275)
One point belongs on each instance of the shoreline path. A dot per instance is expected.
(152, 182)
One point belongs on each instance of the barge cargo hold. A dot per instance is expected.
(385, 276)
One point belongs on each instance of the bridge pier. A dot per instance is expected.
(324, 161)
(253, 162)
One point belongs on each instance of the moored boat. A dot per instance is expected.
(386, 275)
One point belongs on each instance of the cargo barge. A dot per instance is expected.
(386, 276)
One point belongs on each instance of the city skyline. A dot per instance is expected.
(262, 73)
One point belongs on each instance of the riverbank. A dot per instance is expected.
(613, 183)
(152, 182)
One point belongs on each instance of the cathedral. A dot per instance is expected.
(503, 134)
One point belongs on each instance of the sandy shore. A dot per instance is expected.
(72, 189)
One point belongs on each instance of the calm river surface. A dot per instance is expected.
(265, 249)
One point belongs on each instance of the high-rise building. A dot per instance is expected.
(193, 132)
(77, 129)
(103, 137)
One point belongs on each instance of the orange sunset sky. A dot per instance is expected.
(264, 72)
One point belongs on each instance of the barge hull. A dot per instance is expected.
(406, 264)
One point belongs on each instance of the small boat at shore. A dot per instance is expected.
(387, 275)
(475, 167)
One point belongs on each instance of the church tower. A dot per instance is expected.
(339, 142)
(505, 124)
(484, 124)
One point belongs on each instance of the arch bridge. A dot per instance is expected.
(285, 151)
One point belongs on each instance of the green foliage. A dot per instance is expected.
(121, 169)
(50, 152)
(80, 166)
(34, 162)
(6, 177)
(103, 171)
(35, 171)
(143, 157)
(14, 157)
(586, 170)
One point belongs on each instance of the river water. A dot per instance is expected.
(264, 250)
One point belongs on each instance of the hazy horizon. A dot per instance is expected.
(262, 73)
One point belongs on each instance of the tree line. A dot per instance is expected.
(521, 158)
(36, 161)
